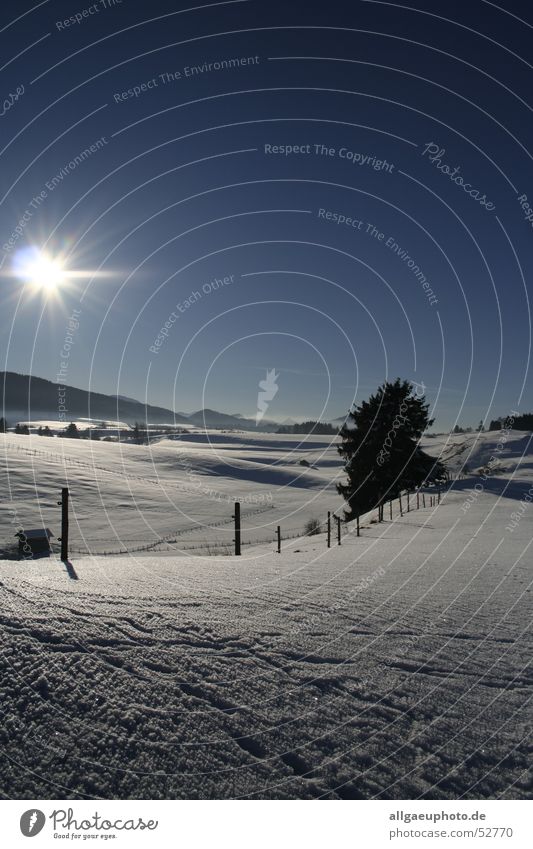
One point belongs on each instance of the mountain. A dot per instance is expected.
(25, 397)
(212, 418)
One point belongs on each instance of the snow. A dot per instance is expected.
(81, 424)
(133, 496)
(396, 665)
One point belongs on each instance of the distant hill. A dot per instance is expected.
(212, 418)
(25, 397)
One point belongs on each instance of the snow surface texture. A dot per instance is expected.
(394, 666)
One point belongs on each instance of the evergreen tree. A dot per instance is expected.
(72, 431)
(47, 431)
(22, 429)
(40, 430)
(481, 427)
(3, 425)
(380, 446)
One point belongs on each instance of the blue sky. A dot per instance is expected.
(181, 192)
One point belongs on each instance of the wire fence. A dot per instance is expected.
(210, 542)
(333, 528)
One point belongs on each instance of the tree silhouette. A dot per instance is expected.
(72, 431)
(380, 446)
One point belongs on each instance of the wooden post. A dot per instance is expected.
(358, 534)
(418, 500)
(329, 529)
(338, 529)
(390, 509)
(408, 505)
(438, 497)
(237, 517)
(400, 500)
(279, 539)
(423, 499)
(64, 523)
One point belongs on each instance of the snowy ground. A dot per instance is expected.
(394, 666)
(126, 496)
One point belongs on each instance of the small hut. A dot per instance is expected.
(34, 541)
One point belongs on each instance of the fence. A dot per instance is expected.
(333, 527)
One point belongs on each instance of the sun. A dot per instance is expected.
(39, 269)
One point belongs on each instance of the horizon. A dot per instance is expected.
(292, 418)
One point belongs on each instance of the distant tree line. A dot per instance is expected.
(71, 432)
(321, 428)
(479, 429)
(516, 422)
(139, 435)
(523, 422)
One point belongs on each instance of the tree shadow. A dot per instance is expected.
(499, 486)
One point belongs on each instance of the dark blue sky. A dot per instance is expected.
(178, 190)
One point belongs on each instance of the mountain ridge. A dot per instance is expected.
(27, 397)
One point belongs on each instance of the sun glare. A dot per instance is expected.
(40, 270)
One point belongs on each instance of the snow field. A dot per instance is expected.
(396, 665)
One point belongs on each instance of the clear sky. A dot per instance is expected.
(337, 191)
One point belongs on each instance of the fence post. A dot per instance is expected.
(423, 499)
(279, 539)
(390, 509)
(408, 506)
(329, 529)
(400, 500)
(358, 526)
(417, 500)
(338, 530)
(64, 523)
(237, 517)
(438, 497)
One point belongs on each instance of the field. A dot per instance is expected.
(396, 665)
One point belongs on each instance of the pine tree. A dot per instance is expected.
(72, 431)
(22, 429)
(3, 425)
(380, 446)
(137, 435)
